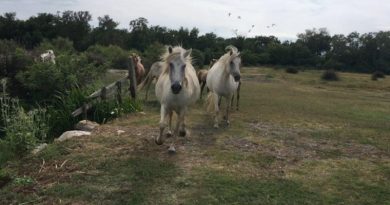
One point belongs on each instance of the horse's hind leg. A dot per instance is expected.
(217, 103)
(163, 114)
(148, 83)
(201, 89)
(238, 94)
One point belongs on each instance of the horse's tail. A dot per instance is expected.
(210, 102)
(146, 81)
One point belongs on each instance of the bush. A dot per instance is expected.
(60, 111)
(111, 109)
(292, 70)
(22, 129)
(43, 80)
(377, 74)
(197, 58)
(59, 45)
(152, 54)
(330, 75)
(112, 56)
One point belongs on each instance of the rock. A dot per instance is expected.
(86, 125)
(39, 148)
(119, 132)
(70, 134)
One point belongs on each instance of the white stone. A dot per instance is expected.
(39, 148)
(70, 134)
(86, 125)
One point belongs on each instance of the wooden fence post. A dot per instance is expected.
(85, 114)
(133, 83)
(103, 94)
(119, 92)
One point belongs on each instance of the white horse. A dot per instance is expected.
(222, 81)
(48, 56)
(176, 88)
(154, 73)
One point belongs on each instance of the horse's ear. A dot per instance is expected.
(187, 53)
(170, 49)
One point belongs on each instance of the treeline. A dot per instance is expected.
(314, 48)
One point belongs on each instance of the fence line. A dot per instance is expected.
(110, 91)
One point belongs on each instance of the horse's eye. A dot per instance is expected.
(171, 65)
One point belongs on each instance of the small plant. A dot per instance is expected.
(22, 129)
(377, 74)
(330, 75)
(292, 70)
(111, 109)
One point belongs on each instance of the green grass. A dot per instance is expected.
(296, 140)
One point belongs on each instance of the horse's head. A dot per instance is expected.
(234, 63)
(51, 52)
(177, 60)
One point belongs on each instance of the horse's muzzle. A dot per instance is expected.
(176, 88)
(237, 78)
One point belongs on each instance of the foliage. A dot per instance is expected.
(60, 111)
(152, 54)
(111, 109)
(377, 74)
(292, 70)
(22, 129)
(330, 75)
(197, 58)
(43, 79)
(111, 56)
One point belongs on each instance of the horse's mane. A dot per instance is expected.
(177, 51)
(231, 54)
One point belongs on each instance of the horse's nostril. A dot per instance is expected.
(237, 78)
(176, 88)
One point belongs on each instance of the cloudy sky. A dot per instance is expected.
(290, 16)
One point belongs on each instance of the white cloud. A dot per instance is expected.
(291, 17)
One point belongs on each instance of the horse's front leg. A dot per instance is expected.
(238, 94)
(182, 120)
(169, 133)
(163, 114)
(177, 131)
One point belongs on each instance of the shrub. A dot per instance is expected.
(330, 75)
(44, 80)
(197, 58)
(59, 45)
(112, 56)
(60, 110)
(22, 129)
(292, 70)
(152, 54)
(111, 109)
(377, 74)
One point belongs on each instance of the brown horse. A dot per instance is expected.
(202, 75)
(139, 68)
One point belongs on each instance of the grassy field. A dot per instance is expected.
(295, 140)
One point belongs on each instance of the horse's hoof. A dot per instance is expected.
(169, 134)
(171, 150)
(158, 141)
(228, 122)
(182, 133)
